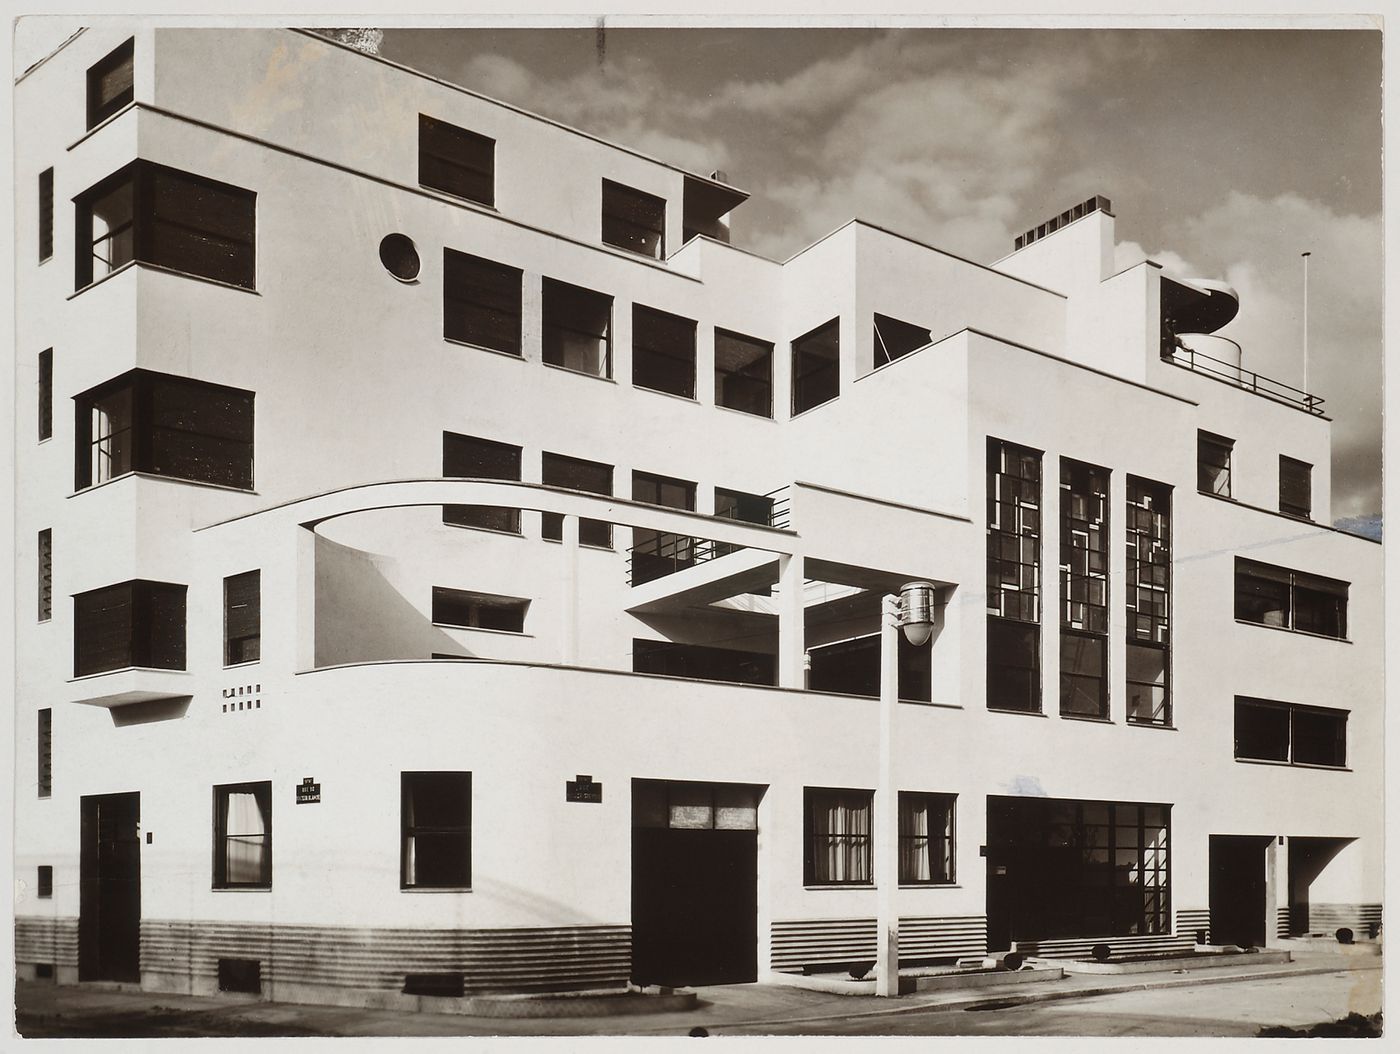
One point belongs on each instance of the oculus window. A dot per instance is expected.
(1013, 577)
(480, 302)
(468, 457)
(743, 373)
(1287, 599)
(816, 367)
(110, 83)
(1290, 734)
(836, 842)
(435, 823)
(577, 328)
(243, 836)
(468, 610)
(634, 220)
(573, 473)
(172, 219)
(925, 838)
(1213, 454)
(456, 161)
(663, 352)
(1148, 591)
(1294, 487)
(242, 618)
(133, 624)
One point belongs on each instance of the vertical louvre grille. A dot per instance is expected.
(45, 574)
(46, 394)
(45, 214)
(45, 753)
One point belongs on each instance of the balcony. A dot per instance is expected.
(1187, 350)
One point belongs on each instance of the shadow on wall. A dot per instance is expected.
(1307, 860)
(362, 617)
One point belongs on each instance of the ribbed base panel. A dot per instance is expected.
(814, 942)
(1328, 918)
(1188, 921)
(47, 939)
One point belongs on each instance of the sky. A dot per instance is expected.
(1226, 154)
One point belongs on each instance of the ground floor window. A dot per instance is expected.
(837, 842)
(925, 838)
(243, 836)
(436, 824)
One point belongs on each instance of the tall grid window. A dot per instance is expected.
(1148, 592)
(925, 838)
(45, 574)
(243, 836)
(480, 302)
(1294, 487)
(45, 394)
(1083, 589)
(837, 842)
(45, 214)
(1013, 577)
(242, 618)
(45, 778)
(1213, 454)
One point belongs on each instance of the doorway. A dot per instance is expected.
(1239, 912)
(694, 883)
(109, 896)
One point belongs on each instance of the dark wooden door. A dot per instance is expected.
(1238, 913)
(109, 906)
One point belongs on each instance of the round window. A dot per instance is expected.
(399, 256)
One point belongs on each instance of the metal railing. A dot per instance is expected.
(1210, 366)
(665, 554)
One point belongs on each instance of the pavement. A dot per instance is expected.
(1317, 986)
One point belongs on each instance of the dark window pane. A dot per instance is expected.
(1294, 487)
(468, 457)
(46, 752)
(110, 82)
(816, 367)
(456, 607)
(242, 617)
(895, 339)
(577, 474)
(1083, 678)
(133, 624)
(1261, 731)
(633, 220)
(435, 823)
(1319, 611)
(663, 352)
(456, 161)
(45, 568)
(743, 373)
(703, 662)
(1013, 665)
(46, 394)
(481, 302)
(45, 214)
(657, 553)
(1213, 463)
(1319, 737)
(577, 328)
(1148, 695)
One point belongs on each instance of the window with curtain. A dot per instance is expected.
(243, 836)
(837, 839)
(925, 838)
(436, 830)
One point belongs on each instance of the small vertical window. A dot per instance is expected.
(468, 457)
(837, 837)
(456, 161)
(816, 367)
(435, 830)
(45, 882)
(634, 220)
(663, 352)
(45, 562)
(243, 836)
(45, 214)
(242, 618)
(1213, 455)
(926, 843)
(481, 302)
(573, 473)
(1294, 487)
(743, 373)
(45, 394)
(45, 777)
(110, 83)
(577, 328)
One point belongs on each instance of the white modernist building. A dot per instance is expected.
(447, 564)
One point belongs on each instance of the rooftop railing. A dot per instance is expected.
(1230, 373)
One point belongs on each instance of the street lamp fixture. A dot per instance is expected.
(916, 612)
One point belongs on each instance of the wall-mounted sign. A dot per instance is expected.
(308, 792)
(582, 788)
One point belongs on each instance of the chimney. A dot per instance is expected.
(366, 40)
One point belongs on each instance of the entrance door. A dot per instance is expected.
(694, 883)
(109, 905)
(1238, 908)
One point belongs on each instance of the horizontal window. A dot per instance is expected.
(456, 161)
(1283, 732)
(837, 837)
(1278, 596)
(136, 623)
(852, 667)
(703, 662)
(480, 302)
(468, 610)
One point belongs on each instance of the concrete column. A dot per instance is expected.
(792, 627)
(1275, 889)
(886, 827)
(569, 581)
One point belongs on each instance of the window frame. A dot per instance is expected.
(464, 291)
(143, 599)
(1292, 582)
(476, 603)
(864, 843)
(950, 801)
(1286, 465)
(44, 567)
(429, 127)
(650, 353)
(234, 620)
(1214, 452)
(262, 795)
(895, 329)
(553, 293)
(499, 519)
(1291, 711)
(44, 778)
(98, 110)
(409, 830)
(46, 215)
(802, 377)
(45, 394)
(43, 882)
(1147, 587)
(682, 547)
(612, 194)
(743, 373)
(595, 533)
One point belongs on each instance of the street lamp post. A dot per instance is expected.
(912, 611)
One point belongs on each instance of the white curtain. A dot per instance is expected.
(844, 826)
(245, 839)
(914, 843)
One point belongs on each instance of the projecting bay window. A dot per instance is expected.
(171, 219)
(743, 373)
(574, 473)
(926, 841)
(577, 329)
(110, 83)
(134, 624)
(467, 457)
(816, 367)
(435, 830)
(1287, 599)
(895, 339)
(456, 161)
(1213, 455)
(1294, 487)
(1013, 577)
(663, 352)
(837, 837)
(243, 836)
(634, 220)
(480, 302)
(1290, 734)
(242, 618)
(656, 554)
(1083, 589)
(1148, 592)
(165, 426)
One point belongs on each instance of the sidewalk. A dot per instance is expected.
(51, 1010)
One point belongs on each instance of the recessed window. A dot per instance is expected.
(895, 339)
(1148, 591)
(852, 667)
(469, 610)
(456, 161)
(243, 836)
(663, 351)
(399, 256)
(1213, 455)
(1013, 576)
(1284, 732)
(165, 426)
(836, 846)
(577, 328)
(925, 838)
(45, 881)
(574, 473)
(1287, 599)
(656, 554)
(134, 624)
(110, 83)
(634, 220)
(435, 830)
(242, 618)
(703, 662)
(45, 394)
(468, 457)
(45, 214)
(45, 568)
(743, 373)
(45, 780)
(169, 218)
(480, 302)
(816, 367)
(1294, 487)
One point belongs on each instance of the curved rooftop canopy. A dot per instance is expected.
(1197, 305)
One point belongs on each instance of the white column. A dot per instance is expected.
(792, 628)
(886, 832)
(569, 581)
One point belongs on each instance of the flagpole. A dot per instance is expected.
(1305, 320)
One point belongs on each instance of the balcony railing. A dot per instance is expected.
(1232, 373)
(665, 554)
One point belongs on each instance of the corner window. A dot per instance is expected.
(435, 830)
(480, 302)
(110, 83)
(45, 214)
(895, 339)
(166, 426)
(45, 780)
(1294, 487)
(926, 843)
(1286, 733)
(134, 624)
(243, 836)
(1286, 599)
(836, 846)
(468, 457)
(242, 618)
(577, 328)
(816, 367)
(468, 610)
(1213, 455)
(45, 394)
(456, 161)
(45, 562)
(634, 220)
(743, 373)
(168, 218)
(573, 473)
(663, 352)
